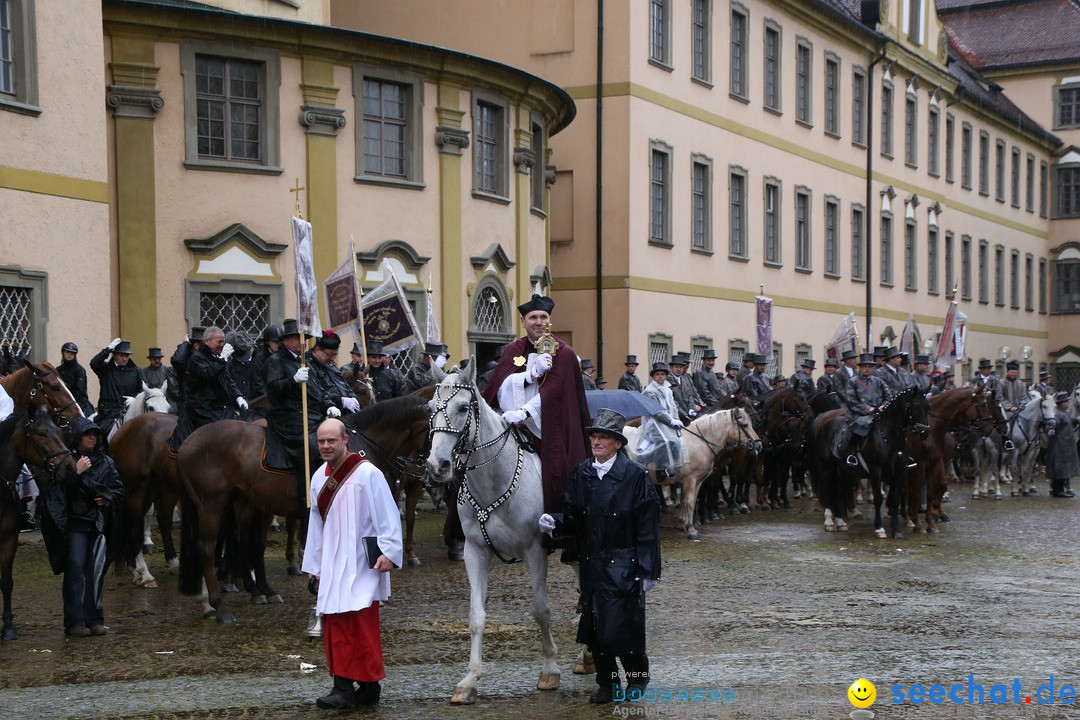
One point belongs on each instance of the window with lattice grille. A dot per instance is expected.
(15, 318)
(659, 348)
(489, 315)
(235, 311)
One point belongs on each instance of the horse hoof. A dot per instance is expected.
(909, 524)
(226, 618)
(999, 496)
(1015, 494)
(148, 549)
(920, 531)
(743, 509)
(897, 535)
(174, 569)
(842, 527)
(274, 599)
(880, 533)
(945, 518)
(692, 534)
(975, 495)
(414, 562)
(934, 531)
(9, 633)
(148, 584)
(293, 571)
(208, 614)
(258, 599)
(548, 681)
(584, 667)
(463, 696)
(830, 528)
(786, 505)
(229, 588)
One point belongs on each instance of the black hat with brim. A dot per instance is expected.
(375, 348)
(610, 422)
(537, 302)
(290, 328)
(154, 353)
(124, 348)
(659, 367)
(985, 363)
(867, 359)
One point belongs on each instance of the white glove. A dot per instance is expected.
(541, 365)
(226, 352)
(648, 585)
(128, 399)
(241, 403)
(113, 344)
(677, 423)
(547, 523)
(514, 417)
(300, 375)
(350, 404)
(440, 361)
(333, 412)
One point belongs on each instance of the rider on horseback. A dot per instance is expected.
(863, 395)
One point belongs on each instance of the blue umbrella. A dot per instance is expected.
(625, 402)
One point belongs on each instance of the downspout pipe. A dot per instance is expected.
(599, 184)
(868, 344)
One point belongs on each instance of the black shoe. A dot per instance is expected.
(602, 695)
(367, 693)
(337, 700)
(26, 522)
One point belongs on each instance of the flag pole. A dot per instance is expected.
(303, 386)
(359, 302)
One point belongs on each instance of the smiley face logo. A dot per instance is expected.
(862, 693)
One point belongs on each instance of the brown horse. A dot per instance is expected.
(221, 472)
(28, 436)
(953, 409)
(40, 385)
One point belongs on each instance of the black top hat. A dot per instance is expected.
(124, 348)
(732, 366)
(600, 381)
(832, 362)
(196, 333)
(748, 357)
(679, 359)
(777, 379)
(709, 354)
(610, 422)
(587, 364)
(271, 332)
(69, 347)
(538, 302)
(329, 340)
(1044, 374)
(890, 353)
(375, 348)
(949, 373)
(867, 359)
(849, 355)
(1012, 365)
(809, 363)
(631, 360)
(880, 350)
(922, 359)
(154, 353)
(760, 359)
(289, 327)
(433, 349)
(985, 363)
(659, 367)
(1061, 397)
(356, 349)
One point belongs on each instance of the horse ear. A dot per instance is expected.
(145, 388)
(165, 388)
(470, 370)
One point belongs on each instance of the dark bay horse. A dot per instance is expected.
(41, 386)
(27, 436)
(222, 474)
(884, 453)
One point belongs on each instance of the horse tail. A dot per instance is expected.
(231, 554)
(191, 560)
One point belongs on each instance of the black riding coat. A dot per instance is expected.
(615, 521)
(284, 420)
(74, 376)
(387, 382)
(211, 392)
(116, 382)
(630, 381)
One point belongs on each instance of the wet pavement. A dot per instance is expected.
(767, 609)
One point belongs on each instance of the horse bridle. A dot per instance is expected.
(470, 432)
(743, 430)
(48, 467)
(59, 417)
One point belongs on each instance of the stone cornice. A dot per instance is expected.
(321, 119)
(134, 102)
(451, 140)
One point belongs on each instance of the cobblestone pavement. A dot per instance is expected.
(766, 604)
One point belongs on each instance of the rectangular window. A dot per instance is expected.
(965, 267)
(832, 240)
(1030, 194)
(738, 53)
(1029, 282)
(18, 57)
(858, 256)
(932, 142)
(1067, 187)
(950, 272)
(235, 311)
(965, 157)
(803, 100)
(911, 116)
(660, 196)
(1016, 177)
(913, 10)
(984, 272)
(803, 259)
(384, 128)
(832, 96)
(1044, 172)
(911, 282)
(16, 318)
(999, 275)
(772, 223)
(1014, 279)
(858, 106)
(886, 250)
(7, 49)
(772, 67)
(228, 96)
(701, 207)
(1042, 285)
(1066, 297)
(886, 119)
(984, 162)
(950, 169)
(932, 261)
(999, 169)
(737, 214)
(489, 149)
(702, 39)
(1068, 107)
(537, 184)
(660, 31)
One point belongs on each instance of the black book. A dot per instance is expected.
(371, 547)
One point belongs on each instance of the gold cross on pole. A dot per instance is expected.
(297, 189)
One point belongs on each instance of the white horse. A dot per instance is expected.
(149, 400)
(500, 501)
(1029, 432)
(704, 440)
